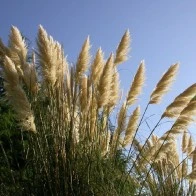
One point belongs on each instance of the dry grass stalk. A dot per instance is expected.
(104, 87)
(121, 125)
(97, 67)
(61, 65)
(18, 54)
(122, 118)
(131, 127)
(161, 152)
(194, 159)
(154, 139)
(105, 143)
(172, 154)
(192, 176)
(47, 56)
(180, 102)
(164, 84)
(190, 147)
(83, 59)
(114, 96)
(18, 47)
(123, 49)
(93, 117)
(186, 117)
(185, 141)
(3, 50)
(83, 93)
(168, 135)
(184, 169)
(137, 84)
(16, 96)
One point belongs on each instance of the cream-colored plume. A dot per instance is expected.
(3, 50)
(97, 67)
(131, 127)
(184, 169)
(16, 96)
(186, 117)
(190, 147)
(83, 59)
(17, 47)
(51, 58)
(192, 176)
(104, 87)
(180, 102)
(114, 95)
(123, 49)
(122, 118)
(185, 141)
(164, 84)
(137, 84)
(18, 54)
(83, 92)
(194, 159)
(121, 126)
(46, 56)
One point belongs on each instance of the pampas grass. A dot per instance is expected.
(180, 102)
(75, 148)
(123, 49)
(83, 58)
(137, 84)
(104, 88)
(16, 96)
(132, 126)
(164, 84)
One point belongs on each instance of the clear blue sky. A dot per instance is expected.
(162, 32)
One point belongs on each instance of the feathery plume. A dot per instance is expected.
(161, 153)
(192, 176)
(83, 59)
(30, 77)
(17, 46)
(97, 67)
(16, 96)
(154, 139)
(190, 147)
(83, 93)
(61, 64)
(186, 117)
(137, 84)
(104, 87)
(123, 49)
(184, 168)
(194, 160)
(185, 141)
(105, 143)
(114, 96)
(18, 54)
(51, 58)
(47, 56)
(169, 135)
(121, 124)
(149, 143)
(164, 84)
(3, 50)
(180, 102)
(122, 118)
(132, 126)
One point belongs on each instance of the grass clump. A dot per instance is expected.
(64, 112)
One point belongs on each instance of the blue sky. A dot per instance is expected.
(162, 32)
